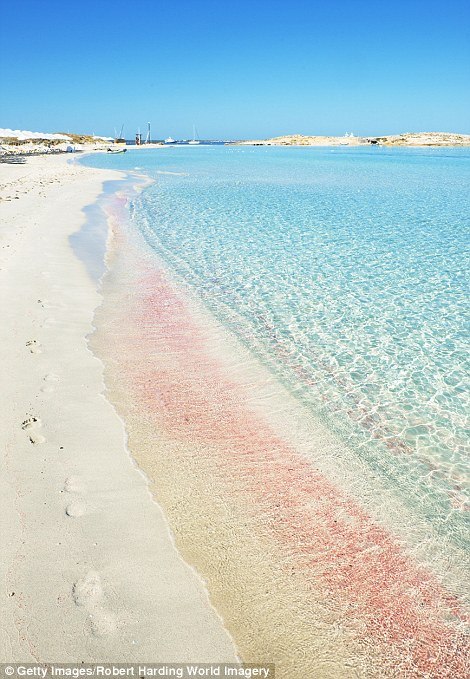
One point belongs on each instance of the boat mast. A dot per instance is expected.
(147, 139)
(120, 139)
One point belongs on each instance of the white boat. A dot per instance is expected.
(170, 140)
(194, 140)
(348, 135)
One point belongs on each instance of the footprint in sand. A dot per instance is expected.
(102, 623)
(50, 379)
(88, 593)
(50, 320)
(73, 484)
(76, 508)
(30, 426)
(45, 304)
(34, 346)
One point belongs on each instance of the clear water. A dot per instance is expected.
(345, 271)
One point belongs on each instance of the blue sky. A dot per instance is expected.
(237, 69)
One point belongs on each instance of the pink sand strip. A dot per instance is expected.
(359, 566)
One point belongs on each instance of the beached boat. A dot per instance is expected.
(117, 151)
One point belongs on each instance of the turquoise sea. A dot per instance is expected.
(346, 272)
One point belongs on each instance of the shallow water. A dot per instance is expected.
(345, 272)
(280, 328)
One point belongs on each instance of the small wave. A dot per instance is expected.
(177, 174)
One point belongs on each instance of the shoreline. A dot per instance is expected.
(234, 483)
(406, 140)
(11, 153)
(89, 568)
(150, 403)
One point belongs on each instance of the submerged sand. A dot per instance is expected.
(88, 567)
(312, 563)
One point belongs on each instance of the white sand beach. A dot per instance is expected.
(88, 567)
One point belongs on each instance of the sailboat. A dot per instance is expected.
(194, 140)
(120, 139)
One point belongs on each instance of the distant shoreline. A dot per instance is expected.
(37, 146)
(409, 139)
